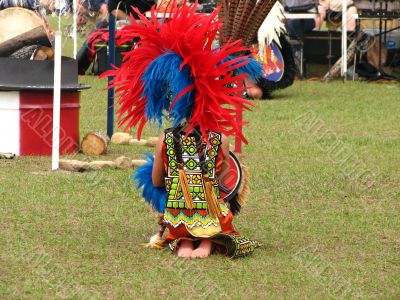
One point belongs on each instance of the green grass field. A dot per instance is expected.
(325, 165)
(325, 172)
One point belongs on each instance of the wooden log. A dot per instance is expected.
(94, 143)
(81, 166)
(152, 141)
(74, 165)
(137, 142)
(121, 162)
(121, 138)
(97, 165)
(7, 155)
(138, 162)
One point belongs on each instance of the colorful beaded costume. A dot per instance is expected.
(176, 73)
(197, 220)
(201, 160)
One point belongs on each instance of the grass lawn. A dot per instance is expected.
(325, 179)
(328, 233)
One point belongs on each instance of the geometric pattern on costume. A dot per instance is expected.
(192, 220)
(236, 246)
(176, 212)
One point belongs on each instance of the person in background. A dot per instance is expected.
(96, 6)
(28, 4)
(121, 9)
(297, 28)
(91, 11)
(61, 7)
(331, 11)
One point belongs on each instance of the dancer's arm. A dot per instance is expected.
(225, 151)
(158, 174)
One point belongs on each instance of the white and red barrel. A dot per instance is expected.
(26, 122)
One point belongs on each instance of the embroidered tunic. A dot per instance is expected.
(195, 222)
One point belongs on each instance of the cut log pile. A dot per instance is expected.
(95, 143)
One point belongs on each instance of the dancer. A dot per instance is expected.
(176, 74)
(259, 22)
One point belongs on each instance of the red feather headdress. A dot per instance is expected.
(213, 93)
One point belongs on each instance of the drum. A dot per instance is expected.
(278, 64)
(230, 180)
(21, 27)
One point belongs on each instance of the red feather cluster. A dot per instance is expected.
(217, 91)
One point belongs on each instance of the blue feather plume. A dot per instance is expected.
(253, 68)
(163, 80)
(156, 196)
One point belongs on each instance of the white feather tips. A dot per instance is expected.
(271, 28)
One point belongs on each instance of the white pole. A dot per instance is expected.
(344, 39)
(56, 103)
(59, 8)
(74, 33)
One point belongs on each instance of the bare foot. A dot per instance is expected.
(185, 248)
(203, 250)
